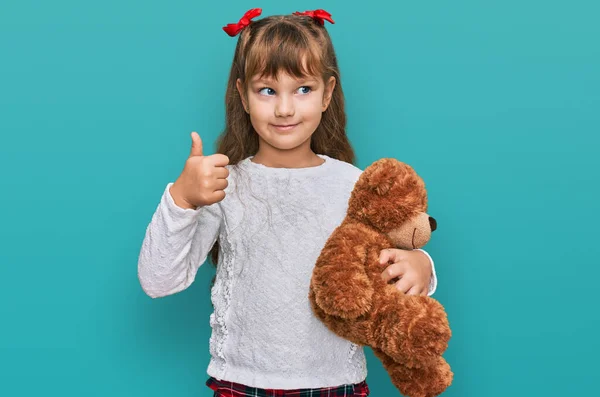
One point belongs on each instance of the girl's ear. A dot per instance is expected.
(328, 92)
(240, 88)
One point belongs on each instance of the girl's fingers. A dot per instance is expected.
(404, 285)
(387, 255)
(394, 270)
(221, 184)
(414, 290)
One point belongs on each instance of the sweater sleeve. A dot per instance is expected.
(433, 281)
(176, 243)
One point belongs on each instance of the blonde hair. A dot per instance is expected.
(301, 47)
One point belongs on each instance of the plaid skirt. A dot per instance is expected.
(224, 388)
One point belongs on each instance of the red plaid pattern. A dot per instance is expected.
(224, 388)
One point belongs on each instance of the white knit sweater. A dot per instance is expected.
(271, 228)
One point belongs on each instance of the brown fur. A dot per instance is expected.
(409, 334)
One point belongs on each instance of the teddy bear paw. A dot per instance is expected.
(427, 333)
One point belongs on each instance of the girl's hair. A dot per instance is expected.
(301, 47)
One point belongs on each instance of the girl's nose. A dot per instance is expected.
(284, 107)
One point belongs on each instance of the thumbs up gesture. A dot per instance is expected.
(203, 179)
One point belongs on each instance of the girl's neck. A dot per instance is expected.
(287, 159)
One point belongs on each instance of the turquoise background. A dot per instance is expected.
(496, 104)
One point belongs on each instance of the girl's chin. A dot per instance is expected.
(281, 143)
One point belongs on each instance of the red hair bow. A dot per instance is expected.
(318, 15)
(233, 29)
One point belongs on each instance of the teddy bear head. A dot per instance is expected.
(390, 197)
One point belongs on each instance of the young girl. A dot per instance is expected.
(264, 206)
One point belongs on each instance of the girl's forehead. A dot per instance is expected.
(281, 64)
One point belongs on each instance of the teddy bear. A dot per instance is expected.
(387, 208)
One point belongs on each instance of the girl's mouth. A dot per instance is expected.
(285, 127)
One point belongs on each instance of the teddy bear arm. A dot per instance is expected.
(341, 285)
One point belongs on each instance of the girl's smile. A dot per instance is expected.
(284, 127)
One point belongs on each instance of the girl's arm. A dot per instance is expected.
(176, 243)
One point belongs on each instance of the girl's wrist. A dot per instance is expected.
(179, 200)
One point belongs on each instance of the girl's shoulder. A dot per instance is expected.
(344, 170)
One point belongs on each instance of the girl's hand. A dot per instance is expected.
(412, 267)
(203, 179)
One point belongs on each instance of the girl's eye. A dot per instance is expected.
(269, 91)
(266, 91)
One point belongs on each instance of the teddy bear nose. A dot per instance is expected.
(432, 223)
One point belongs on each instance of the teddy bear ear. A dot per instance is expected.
(385, 173)
(381, 176)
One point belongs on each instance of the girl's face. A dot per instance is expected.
(286, 111)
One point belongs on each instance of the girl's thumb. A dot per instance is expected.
(196, 145)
